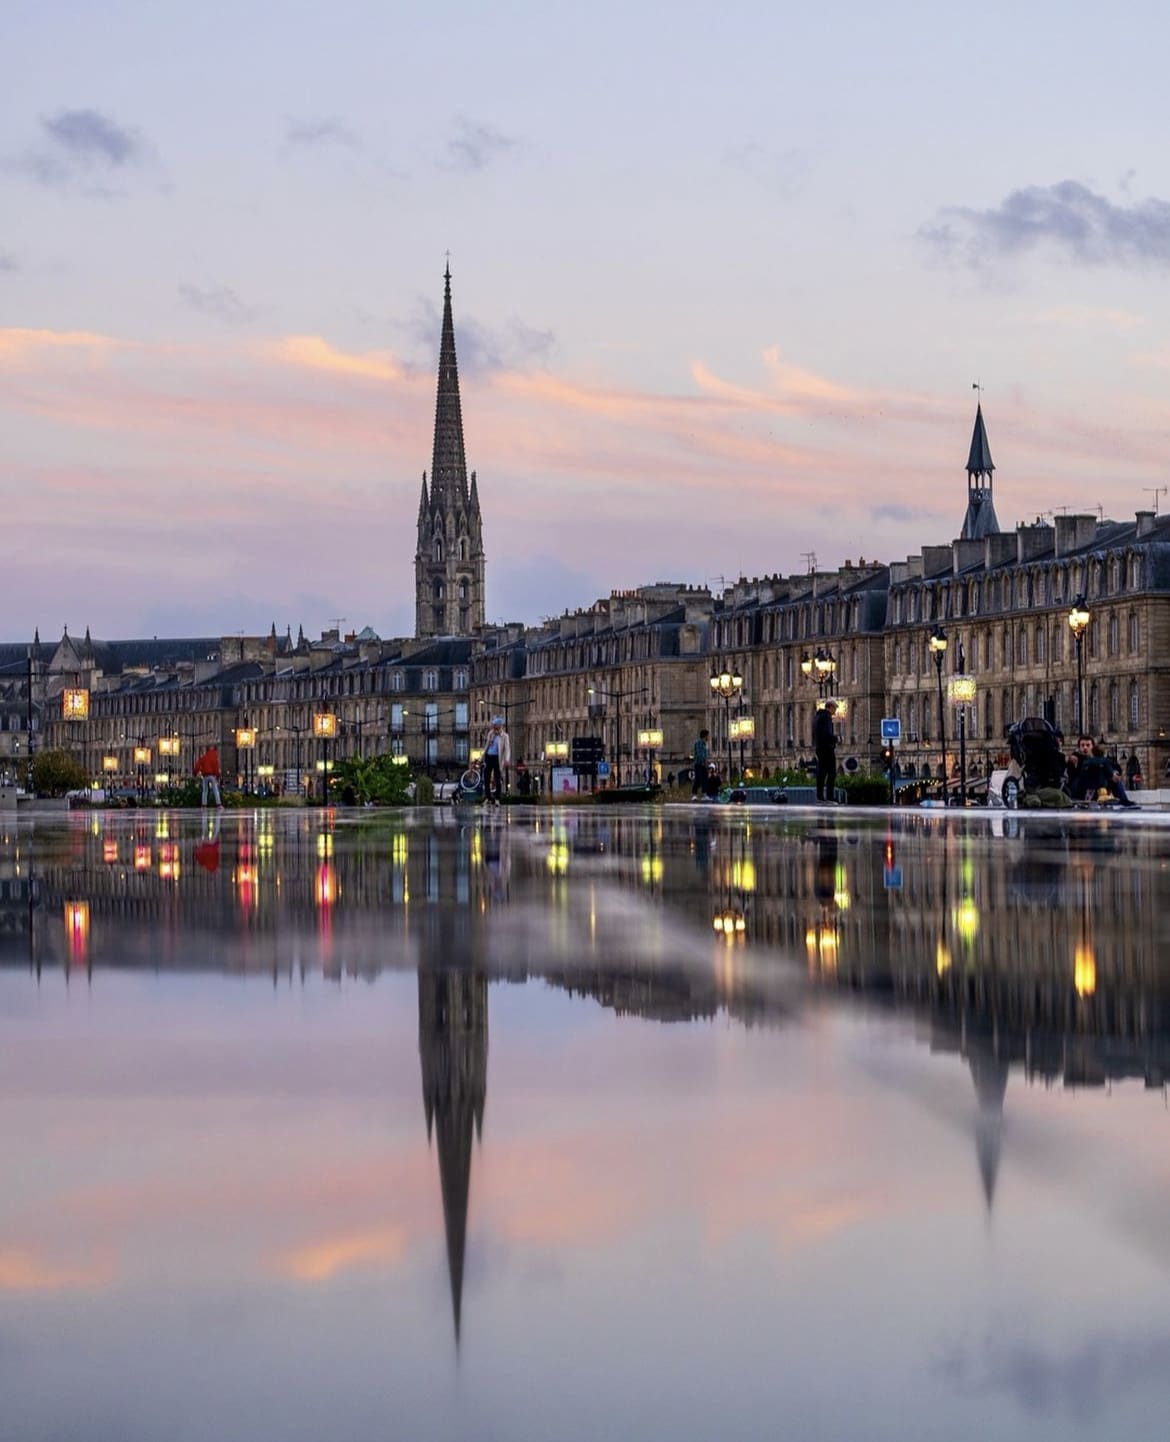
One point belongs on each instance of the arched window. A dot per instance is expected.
(463, 548)
(1133, 633)
(1039, 644)
(1134, 702)
(1114, 641)
(430, 680)
(438, 548)
(1021, 647)
(462, 593)
(437, 589)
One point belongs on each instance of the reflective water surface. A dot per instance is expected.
(577, 1125)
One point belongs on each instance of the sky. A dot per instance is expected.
(723, 281)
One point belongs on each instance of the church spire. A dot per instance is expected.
(980, 520)
(449, 463)
(449, 557)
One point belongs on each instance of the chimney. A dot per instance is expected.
(1000, 549)
(936, 560)
(965, 554)
(1146, 521)
(1073, 533)
(1033, 541)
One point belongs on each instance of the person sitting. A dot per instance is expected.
(1090, 772)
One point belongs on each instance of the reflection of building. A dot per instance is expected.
(452, 1044)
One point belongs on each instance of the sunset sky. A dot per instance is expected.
(723, 279)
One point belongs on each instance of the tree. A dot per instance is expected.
(373, 778)
(56, 772)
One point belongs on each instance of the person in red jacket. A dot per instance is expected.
(207, 769)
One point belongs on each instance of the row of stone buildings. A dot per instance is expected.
(634, 669)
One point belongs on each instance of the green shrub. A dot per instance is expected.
(424, 791)
(56, 772)
(864, 788)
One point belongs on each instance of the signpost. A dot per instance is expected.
(891, 735)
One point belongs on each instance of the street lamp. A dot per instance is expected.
(554, 752)
(742, 728)
(938, 649)
(246, 743)
(727, 684)
(962, 693)
(325, 729)
(650, 740)
(142, 761)
(1078, 624)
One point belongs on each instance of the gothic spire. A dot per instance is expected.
(449, 463)
(979, 462)
(980, 520)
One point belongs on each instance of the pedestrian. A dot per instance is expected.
(497, 757)
(207, 769)
(1133, 772)
(699, 753)
(825, 746)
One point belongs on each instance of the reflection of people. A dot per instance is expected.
(699, 765)
(207, 769)
(207, 850)
(825, 745)
(825, 881)
(497, 755)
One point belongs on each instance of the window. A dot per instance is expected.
(438, 548)
(437, 590)
(1114, 634)
(1021, 647)
(1133, 633)
(1094, 708)
(1039, 644)
(396, 715)
(461, 716)
(460, 680)
(1133, 705)
(462, 592)
(1058, 630)
(397, 681)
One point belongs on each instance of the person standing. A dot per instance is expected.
(825, 747)
(497, 757)
(699, 753)
(207, 769)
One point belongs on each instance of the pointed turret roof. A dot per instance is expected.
(979, 462)
(449, 463)
(980, 520)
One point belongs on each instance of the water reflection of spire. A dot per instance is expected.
(990, 1075)
(452, 1040)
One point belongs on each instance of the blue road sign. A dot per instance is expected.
(602, 770)
(891, 728)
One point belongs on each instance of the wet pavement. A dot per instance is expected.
(687, 1123)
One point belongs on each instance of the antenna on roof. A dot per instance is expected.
(1155, 491)
(810, 561)
(337, 622)
(1100, 513)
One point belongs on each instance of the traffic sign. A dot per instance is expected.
(891, 728)
(602, 770)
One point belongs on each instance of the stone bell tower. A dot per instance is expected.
(449, 560)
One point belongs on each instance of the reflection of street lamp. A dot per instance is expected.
(962, 693)
(727, 684)
(325, 728)
(1078, 623)
(938, 649)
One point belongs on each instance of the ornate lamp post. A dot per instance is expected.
(727, 684)
(325, 729)
(1078, 623)
(75, 708)
(650, 740)
(938, 649)
(742, 729)
(246, 745)
(142, 761)
(962, 693)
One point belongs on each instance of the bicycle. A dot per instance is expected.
(469, 787)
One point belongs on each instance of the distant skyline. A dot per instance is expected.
(721, 290)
